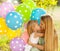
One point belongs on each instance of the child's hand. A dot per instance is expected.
(29, 43)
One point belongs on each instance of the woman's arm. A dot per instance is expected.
(41, 47)
(39, 35)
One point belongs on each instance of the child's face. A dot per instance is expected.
(37, 27)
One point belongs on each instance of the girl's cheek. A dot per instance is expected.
(37, 28)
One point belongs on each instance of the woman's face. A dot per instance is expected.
(42, 26)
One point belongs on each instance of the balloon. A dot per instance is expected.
(3, 27)
(25, 36)
(5, 8)
(14, 20)
(25, 11)
(37, 13)
(31, 4)
(17, 44)
(24, 0)
(13, 33)
(25, 25)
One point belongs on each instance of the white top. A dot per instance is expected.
(32, 39)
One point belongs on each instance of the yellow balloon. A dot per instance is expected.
(13, 33)
(3, 27)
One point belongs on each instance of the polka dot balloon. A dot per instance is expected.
(5, 8)
(37, 13)
(3, 27)
(14, 20)
(17, 44)
(31, 4)
(25, 11)
(13, 33)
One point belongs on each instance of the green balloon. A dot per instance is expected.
(31, 4)
(25, 11)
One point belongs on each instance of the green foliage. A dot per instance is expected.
(4, 43)
(4, 47)
(24, 0)
(46, 3)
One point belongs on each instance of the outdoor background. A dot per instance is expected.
(52, 8)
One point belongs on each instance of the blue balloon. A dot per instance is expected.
(14, 20)
(37, 13)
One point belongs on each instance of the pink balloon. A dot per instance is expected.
(5, 8)
(25, 25)
(25, 37)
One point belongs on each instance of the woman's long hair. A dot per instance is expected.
(51, 40)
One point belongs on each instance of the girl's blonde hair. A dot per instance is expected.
(30, 25)
(51, 39)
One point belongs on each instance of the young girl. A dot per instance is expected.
(33, 28)
(51, 38)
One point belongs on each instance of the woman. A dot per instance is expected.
(50, 37)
